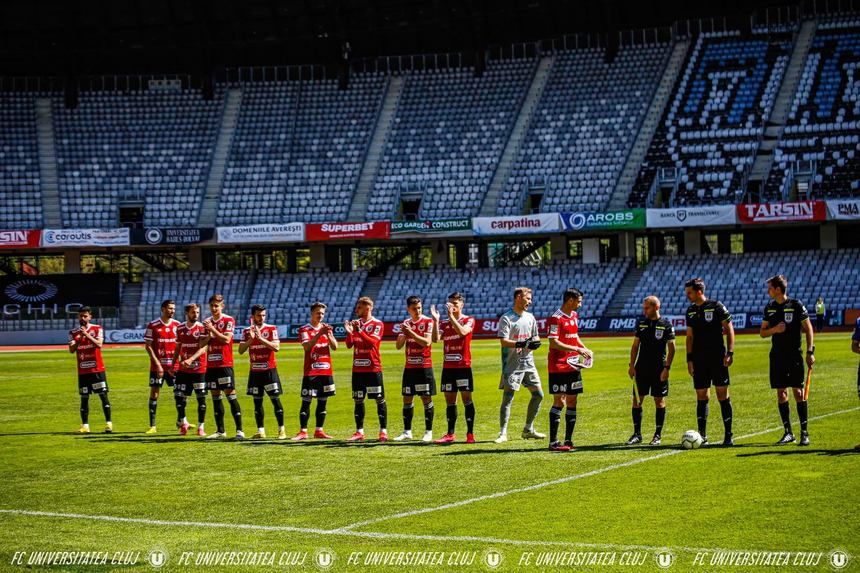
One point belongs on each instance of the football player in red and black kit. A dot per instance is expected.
(566, 355)
(219, 368)
(318, 341)
(364, 336)
(160, 342)
(189, 363)
(417, 334)
(261, 341)
(456, 334)
(86, 343)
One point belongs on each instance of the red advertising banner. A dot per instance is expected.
(779, 212)
(17, 239)
(330, 231)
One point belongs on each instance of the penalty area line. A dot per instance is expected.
(557, 481)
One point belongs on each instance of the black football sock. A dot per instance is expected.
(702, 416)
(451, 416)
(359, 415)
(279, 410)
(304, 414)
(569, 423)
(726, 411)
(320, 413)
(105, 405)
(153, 406)
(382, 414)
(408, 411)
(85, 408)
(660, 419)
(236, 410)
(258, 411)
(785, 415)
(180, 407)
(218, 409)
(429, 411)
(637, 420)
(470, 417)
(803, 414)
(554, 423)
(201, 409)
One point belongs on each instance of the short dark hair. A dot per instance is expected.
(457, 295)
(191, 305)
(257, 308)
(317, 305)
(413, 299)
(85, 309)
(571, 293)
(697, 284)
(778, 282)
(217, 297)
(167, 302)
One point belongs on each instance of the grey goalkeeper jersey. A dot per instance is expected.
(515, 326)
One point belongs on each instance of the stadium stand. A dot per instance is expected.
(283, 294)
(20, 189)
(151, 146)
(186, 286)
(447, 137)
(583, 127)
(489, 291)
(822, 136)
(739, 280)
(711, 131)
(296, 140)
(9, 324)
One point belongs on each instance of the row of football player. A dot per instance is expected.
(196, 358)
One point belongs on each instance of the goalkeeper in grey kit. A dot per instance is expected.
(518, 335)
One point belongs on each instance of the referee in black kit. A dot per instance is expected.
(708, 360)
(789, 318)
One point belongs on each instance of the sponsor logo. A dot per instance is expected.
(153, 236)
(415, 360)
(14, 237)
(88, 364)
(31, 290)
(320, 366)
(681, 215)
(453, 357)
(361, 362)
(516, 224)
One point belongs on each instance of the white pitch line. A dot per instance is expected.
(557, 481)
(359, 534)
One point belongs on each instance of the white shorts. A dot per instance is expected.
(517, 378)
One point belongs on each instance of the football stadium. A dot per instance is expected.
(449, 285)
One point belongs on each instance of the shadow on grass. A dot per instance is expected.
(789, 451)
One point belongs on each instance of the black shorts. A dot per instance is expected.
(166, 378)
(264, 382)
(787, 371)
(565, 382)
(317, 387)
(367, 384)
(220, 378)
(711, 372)
(418, 382)
(648, 383)
(189, 382)
(92, 383)
(457, 380)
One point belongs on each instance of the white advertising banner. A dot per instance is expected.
(843, 209)
(86, 237)
(533, 224)
(704, 216)
(274, 233)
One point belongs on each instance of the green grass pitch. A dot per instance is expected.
(293, 502)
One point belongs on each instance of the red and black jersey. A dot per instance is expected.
(318, 358)
(220, 354)
(366, 341)
(188, 341)
(564, 329)
(88, 355)
(161, 337)
(457, 349)
(262, 357)
(418, 356)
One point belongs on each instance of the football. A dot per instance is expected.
(691, 440)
